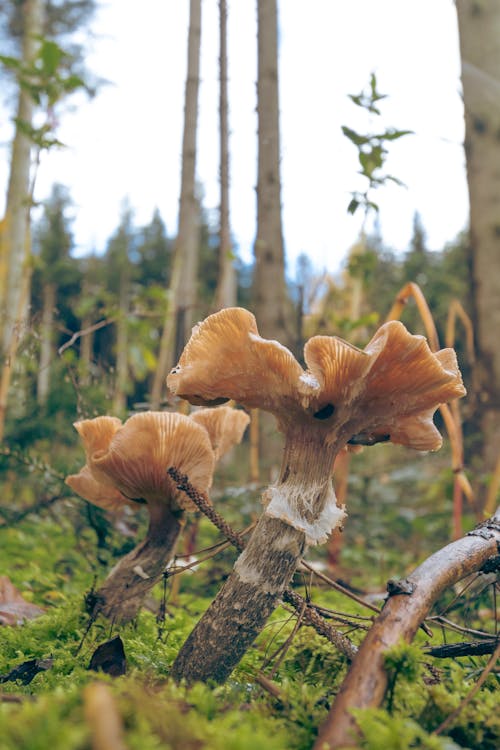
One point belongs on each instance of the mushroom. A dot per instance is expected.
(386, 392)
(126, 464)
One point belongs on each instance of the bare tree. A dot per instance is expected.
(182, 290)
(269, 288)
(479, 27)
(225, 295)
(15, 246)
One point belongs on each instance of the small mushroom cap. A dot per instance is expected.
(104, 495)
(225, 427)
(139, 454)
(226, 358)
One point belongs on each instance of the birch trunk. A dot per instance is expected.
(479, 28)
(225, 295)
(15, 241)
(46, 343)
(269, 288)
(180, 311)
(15, 244)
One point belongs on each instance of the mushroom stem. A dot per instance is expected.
(267, 564)
(123, 592)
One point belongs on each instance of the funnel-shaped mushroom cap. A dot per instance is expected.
(225, 427)
(104, 495)
(225, 358)
(139, 454)
(390, 388)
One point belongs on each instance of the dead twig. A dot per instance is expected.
(85, 332)
(468, 648)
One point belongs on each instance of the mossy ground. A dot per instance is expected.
(55, 556)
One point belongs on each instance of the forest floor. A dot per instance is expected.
(399, 512)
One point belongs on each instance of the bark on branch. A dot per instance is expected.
(366, 681)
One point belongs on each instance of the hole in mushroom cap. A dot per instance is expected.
(325, 412)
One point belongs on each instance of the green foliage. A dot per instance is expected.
(381, 730)
(48, 79)
(372, 151)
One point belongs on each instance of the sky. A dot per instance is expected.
(126, 143)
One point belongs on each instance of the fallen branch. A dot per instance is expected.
(366, 682)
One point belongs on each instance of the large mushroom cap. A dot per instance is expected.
(389, 390)
(225, 358)
(139, 454)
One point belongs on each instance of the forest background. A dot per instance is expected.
(88, 334)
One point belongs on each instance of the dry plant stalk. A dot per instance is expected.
(450, 414)
(366, 681)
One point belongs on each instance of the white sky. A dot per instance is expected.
(127, 142)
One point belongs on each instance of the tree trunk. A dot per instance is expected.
(16, 247)
(479, 27)
(46, 343)
(225, 295)
(180, 311)
(15, 240)
(269, 288)
(121, 366)
(122, 594)
(366, 681)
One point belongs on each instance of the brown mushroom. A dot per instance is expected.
(127, 464)
(388, 391)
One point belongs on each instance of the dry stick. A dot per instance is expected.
(310, 616)
(469, 648)
(449, 719)
(85, 332)
(366, 681)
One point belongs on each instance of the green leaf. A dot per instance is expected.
(10, 62)
(391, 134)
(50, 55)
(353, 206)
(356, 138)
